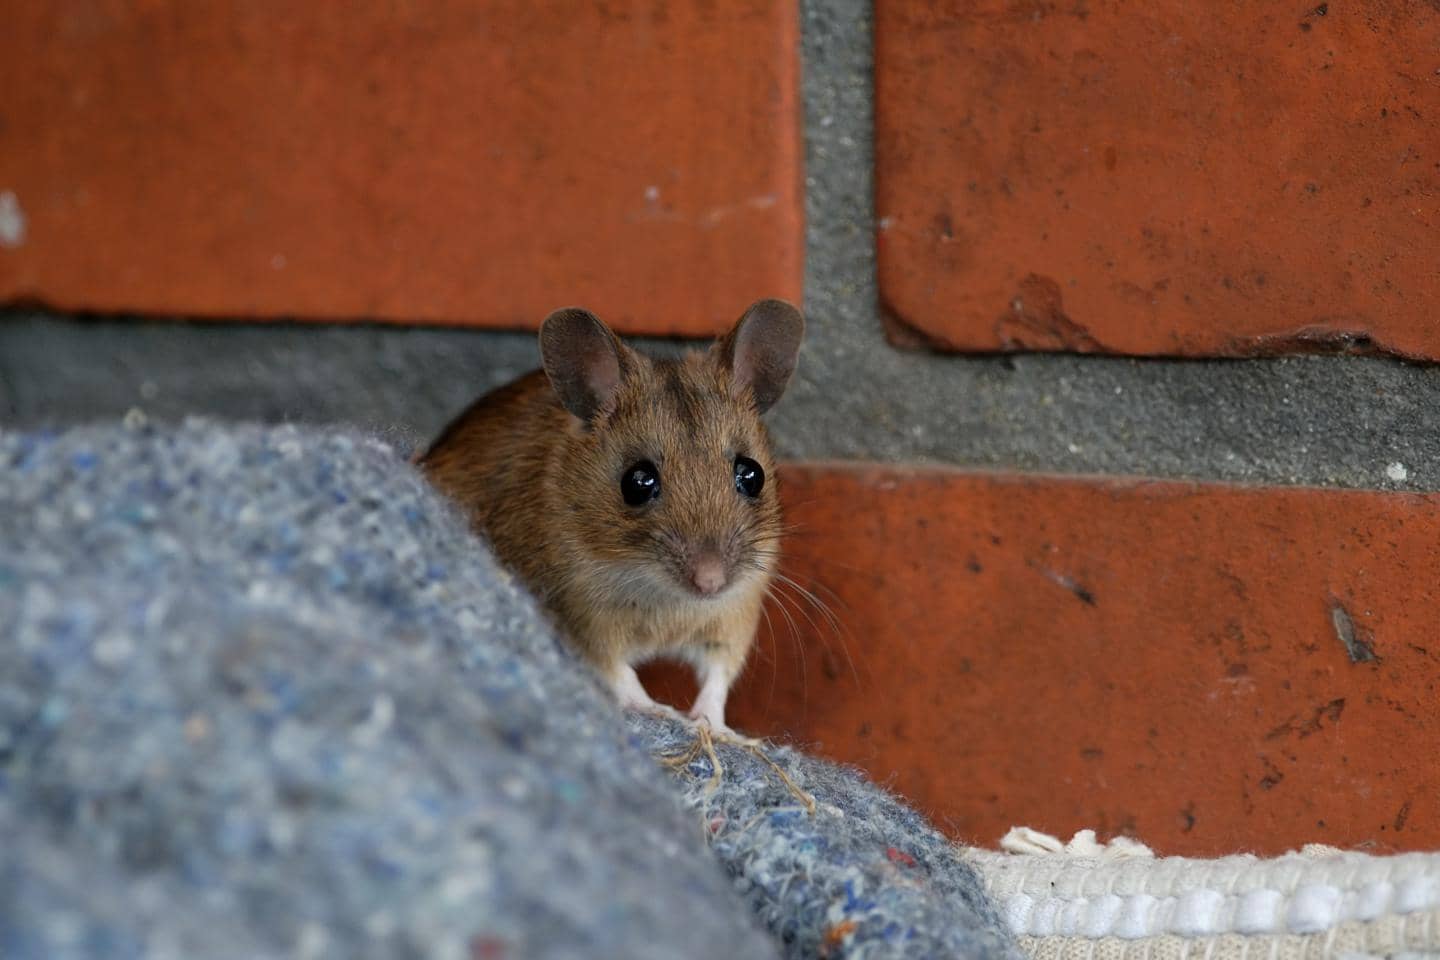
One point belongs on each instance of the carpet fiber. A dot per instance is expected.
(262, 694)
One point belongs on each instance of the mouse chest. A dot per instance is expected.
(656, 632)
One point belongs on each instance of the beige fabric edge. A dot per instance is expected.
(1383, 937)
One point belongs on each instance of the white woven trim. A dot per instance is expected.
(1411, 937)
(1091, 890)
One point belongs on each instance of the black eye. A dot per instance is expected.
(749, 478)
(640, 484)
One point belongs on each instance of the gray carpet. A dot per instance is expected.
(261, 694)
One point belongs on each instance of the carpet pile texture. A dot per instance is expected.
(263, 694)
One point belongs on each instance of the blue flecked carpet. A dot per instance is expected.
(263, 695)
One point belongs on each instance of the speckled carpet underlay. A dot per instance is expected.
(262, 694)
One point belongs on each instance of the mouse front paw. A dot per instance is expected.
(656, 709)
(700, 716)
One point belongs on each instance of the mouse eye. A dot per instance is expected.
(749, 478)
(640, 484)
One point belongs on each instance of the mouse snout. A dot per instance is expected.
(707, 573)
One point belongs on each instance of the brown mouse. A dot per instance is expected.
(635, 496)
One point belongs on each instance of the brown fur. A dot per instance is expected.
(544, 486)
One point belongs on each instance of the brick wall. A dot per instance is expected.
(1179, 180)
(451, 162)
(1217, 646)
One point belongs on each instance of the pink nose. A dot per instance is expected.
(707, 573)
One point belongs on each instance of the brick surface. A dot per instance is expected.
(449, 162)
(1186, 179)
(1208, 668)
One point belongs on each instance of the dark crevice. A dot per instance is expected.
(1357, 642)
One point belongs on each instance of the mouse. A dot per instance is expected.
(635, 496)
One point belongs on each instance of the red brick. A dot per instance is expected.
(1190, 179)
(1157, 659)
(447, 162)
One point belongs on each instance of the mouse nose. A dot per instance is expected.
(707, 574)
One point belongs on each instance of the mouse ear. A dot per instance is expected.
(760, 351)
(583, 360)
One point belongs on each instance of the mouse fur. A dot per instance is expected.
(538, 467)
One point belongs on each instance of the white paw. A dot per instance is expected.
(651, 707)
(703, 718)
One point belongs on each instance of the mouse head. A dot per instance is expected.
(667, 476)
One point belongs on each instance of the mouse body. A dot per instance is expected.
(635, 496)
